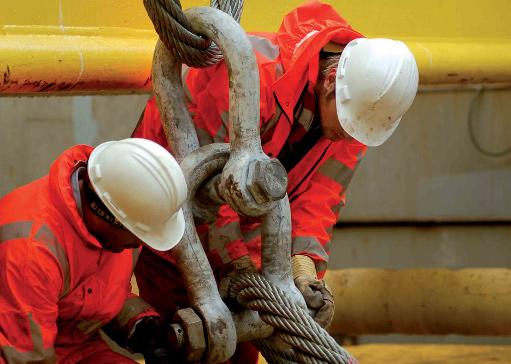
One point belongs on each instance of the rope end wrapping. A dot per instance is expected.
(303, 265)
(176, 33)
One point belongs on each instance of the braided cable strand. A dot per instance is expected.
(311, 343)
(277, 356)
(231, 7)
(175, 31)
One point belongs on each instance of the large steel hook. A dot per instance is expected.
(190, 257)
(251, 182)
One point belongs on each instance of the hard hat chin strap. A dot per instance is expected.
(98, 207)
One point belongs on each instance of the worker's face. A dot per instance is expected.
(325, 92)
(115, 239)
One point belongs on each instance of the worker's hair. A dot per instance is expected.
(328, 62)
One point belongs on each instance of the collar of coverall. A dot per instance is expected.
(332, 47)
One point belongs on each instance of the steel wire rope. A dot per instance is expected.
(294, 326)
(176, 33)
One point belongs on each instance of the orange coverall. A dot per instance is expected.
(58, 286)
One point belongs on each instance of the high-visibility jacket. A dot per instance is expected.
(319, 170)
(58, 286)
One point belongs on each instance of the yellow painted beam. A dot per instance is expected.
(105, 46)
(41, 63)
(431, 354)
(428, 354)
(421, 301)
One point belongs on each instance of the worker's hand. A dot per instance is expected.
(150, 339)
(239, 266)
(318, 298)
(317, 295)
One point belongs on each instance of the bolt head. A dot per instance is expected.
(267, 180)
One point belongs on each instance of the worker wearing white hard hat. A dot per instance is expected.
(375, 83)
(143, 187)
(68, 245)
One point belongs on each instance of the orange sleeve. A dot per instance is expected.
(316, 210)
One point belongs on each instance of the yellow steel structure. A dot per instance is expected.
(421, 301)
(106, 46)
(431, 354)
(428, 354)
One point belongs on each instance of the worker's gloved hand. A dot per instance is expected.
(150, 339)
(318, 298)
(316, 293)
(239, 266)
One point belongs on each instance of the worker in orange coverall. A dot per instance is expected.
(326, 93)
(68, 245)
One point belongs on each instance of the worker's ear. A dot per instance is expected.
(329, 84)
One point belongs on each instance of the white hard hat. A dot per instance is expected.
(376, 82)
(143, 187)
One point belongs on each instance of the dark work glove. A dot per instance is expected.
(150, 338)
(317, 295)
(318, 298)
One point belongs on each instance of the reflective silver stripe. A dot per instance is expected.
(309, 245)
(15, 230)
(46, 236)
(132, 307)
(337, 171)
(88, 327)
(219, 236)
(40, 354)
(203, 136)
(267, 126)
(337, 208)
(249, 235)
(219, 137)
(264, 47)
(279, 70)
(305, 118)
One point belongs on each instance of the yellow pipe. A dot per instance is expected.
(428, 354)
(431, 354)
(40, 63)
(421, 301)
(106, 46)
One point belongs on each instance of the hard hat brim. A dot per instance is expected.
(167, 236)
(369, 134)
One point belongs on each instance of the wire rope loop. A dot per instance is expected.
(176, 32)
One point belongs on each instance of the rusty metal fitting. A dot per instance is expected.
(267, 180)
(193, 335)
